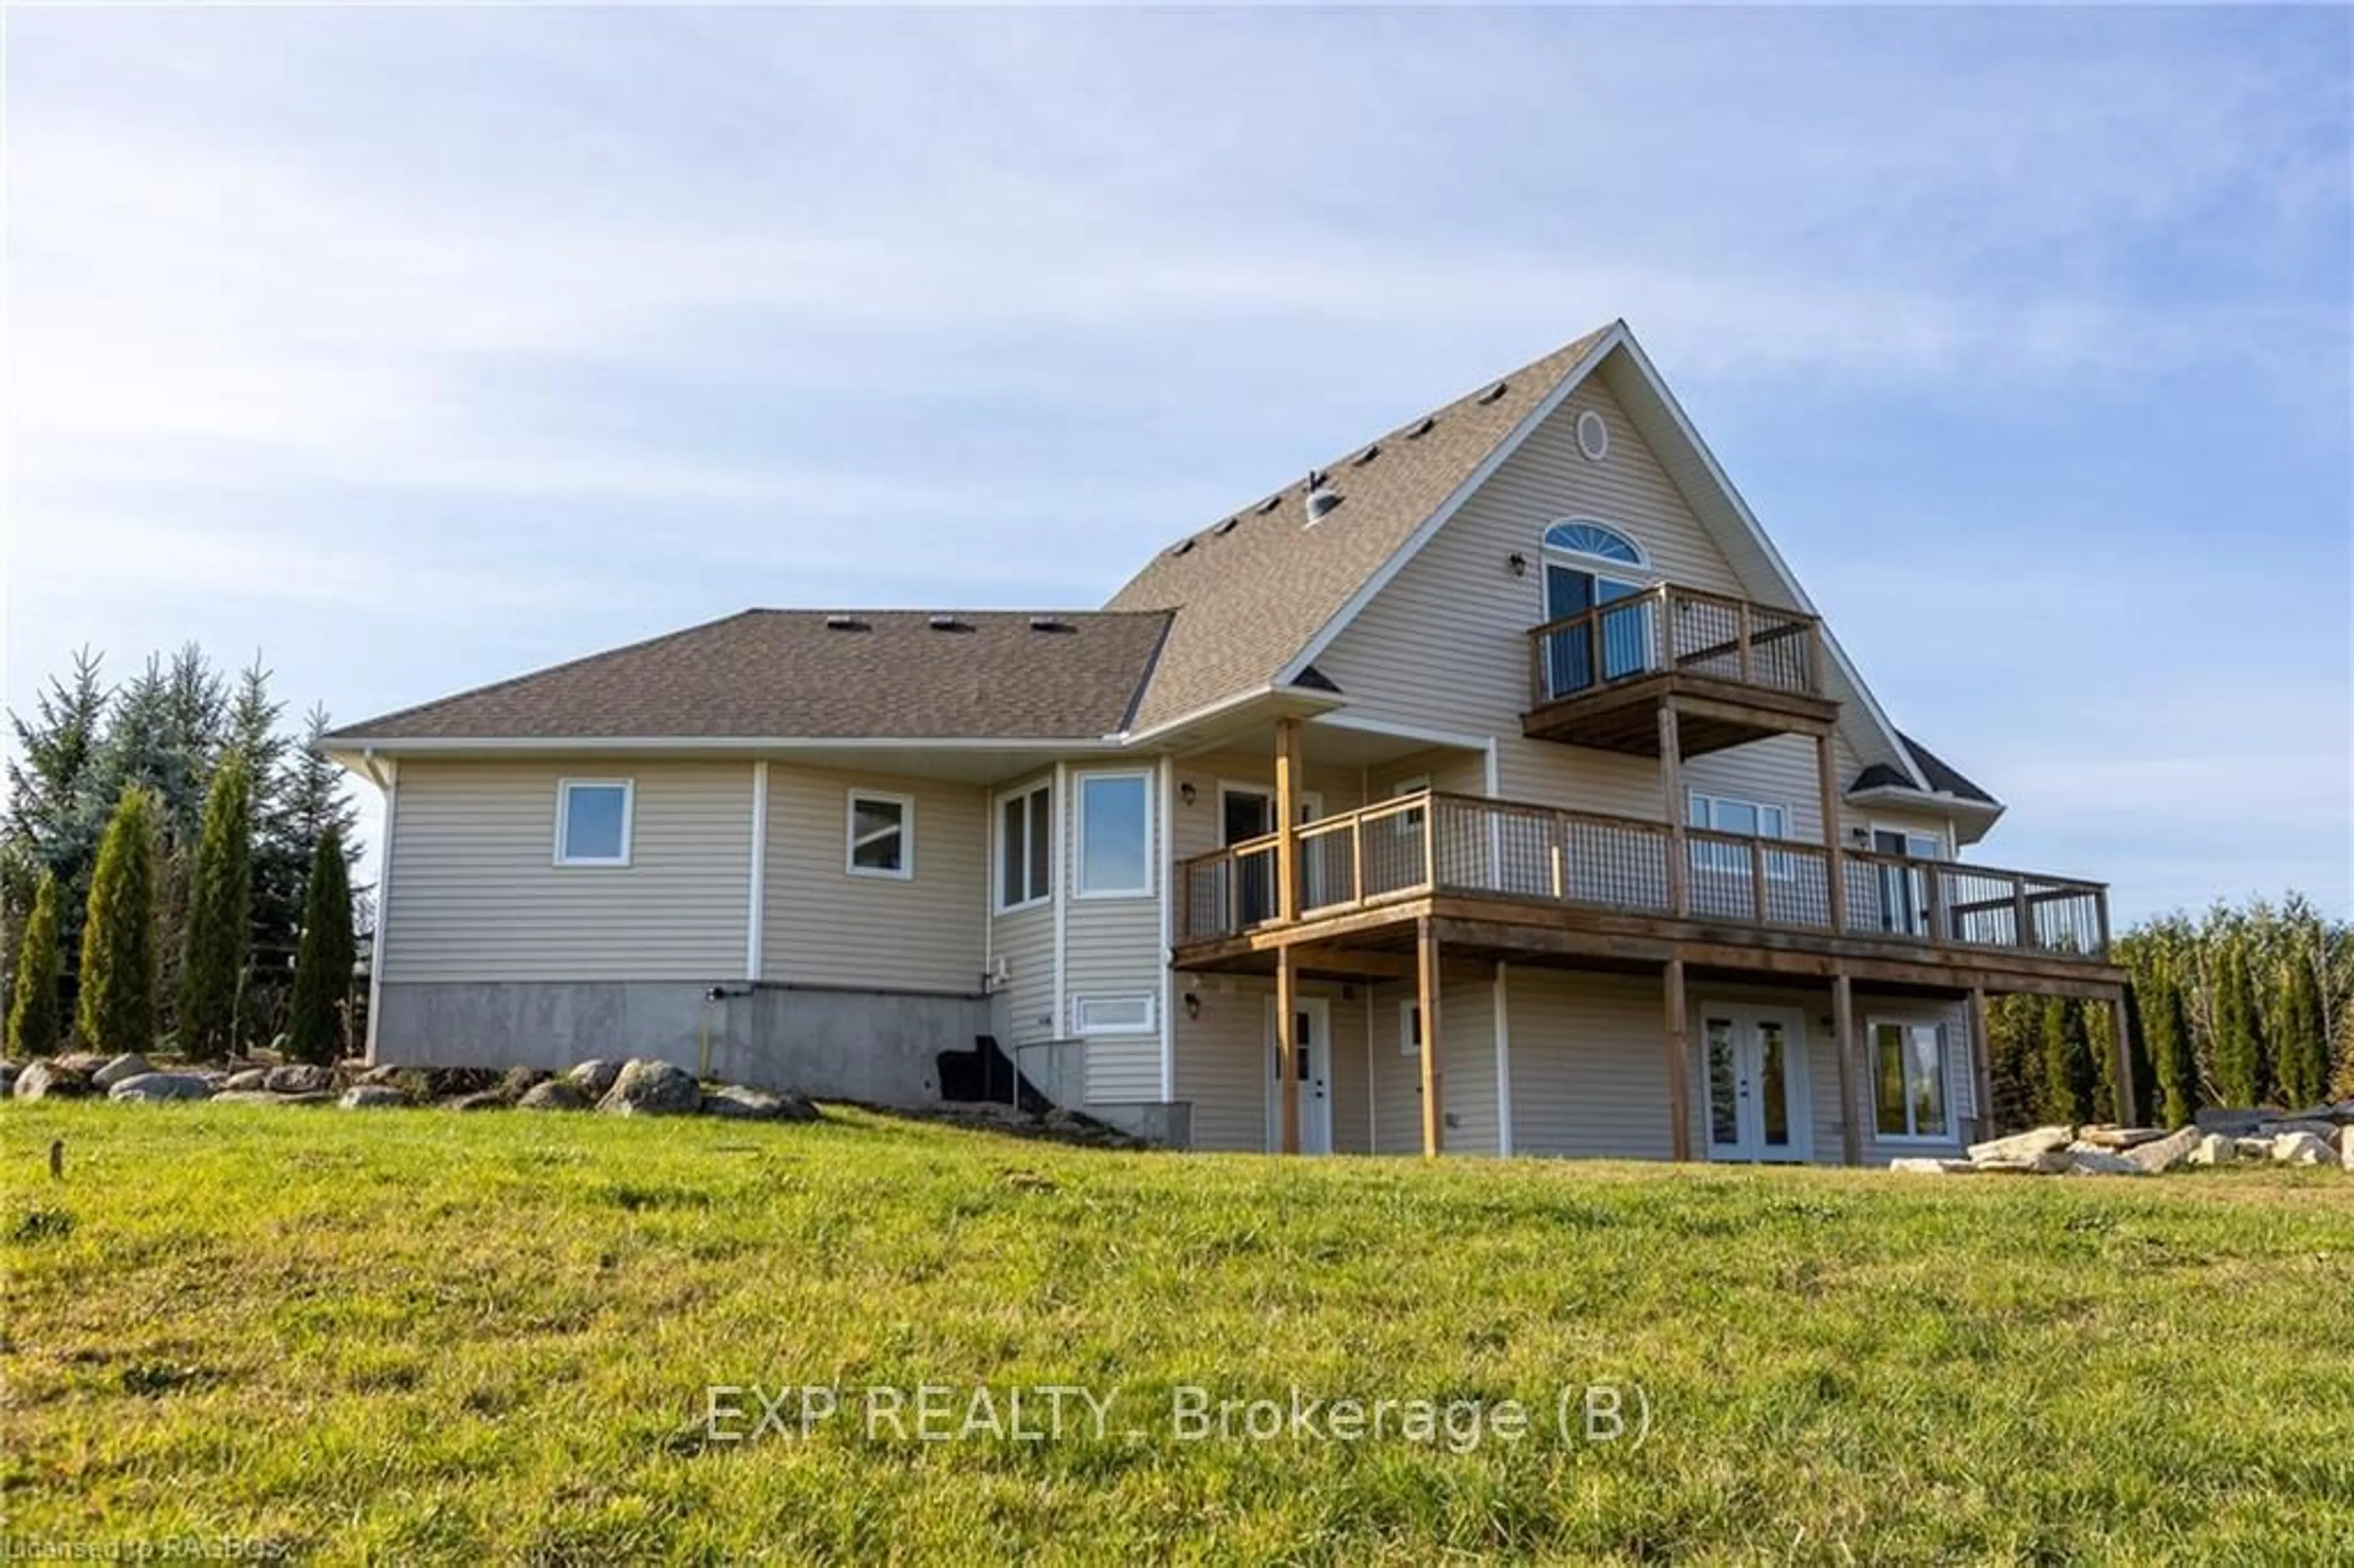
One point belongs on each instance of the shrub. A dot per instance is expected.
(36, 1016)
(322, 960)
(116, 1009)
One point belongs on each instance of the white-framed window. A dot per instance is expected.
(1025, 846)
(1112, 1014)
(1908, 1058)
(592, 820)
(881, 835)
(1751, 819)
(1409, 1029)
(1115, 837)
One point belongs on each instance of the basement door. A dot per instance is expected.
(1756, 1060)
(1312, 1038)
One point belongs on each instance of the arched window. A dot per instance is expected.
(1581, 537)
(1587, 568)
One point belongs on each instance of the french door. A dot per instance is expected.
(1625, 634)
(1249, 813)
(1312, 1041)
(1903, 889)
(1754, 1059)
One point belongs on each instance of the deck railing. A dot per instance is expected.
(1429, 843)
(1670, 627)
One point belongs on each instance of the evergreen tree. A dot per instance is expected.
(116, 1008)
(2171, 1063)
(2068, 1077)
(313, 795)
(2302, 1052)
(2239, 1060)
(48, 825)
(36, 1016)
(215, 931)
(323, 963)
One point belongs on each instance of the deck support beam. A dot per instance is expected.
(1834, 852)
(1677, 1042)
(1843, 1039)
(1286, 1048)
(2121, 1047)
(1425, 1003)
(1982, 1061)
(1671, 786)
(1286, 823)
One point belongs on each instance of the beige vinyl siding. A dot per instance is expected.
(1466, 1066)
(1112, 947)
(1224, 1066)
(1022, 942)
(1589, 1073)
(824, 926)
(474, 894)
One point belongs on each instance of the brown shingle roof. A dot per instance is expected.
(1251, 598)
(785, 673)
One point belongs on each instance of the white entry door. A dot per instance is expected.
(1756, 1062)
(1312, 1038)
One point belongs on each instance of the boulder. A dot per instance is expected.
(264, 1097)
(2023, 1146)
(747, 1105)
(49, 1080)
(130, 1064)
(1925, 1166)
(83, 1064)
(383, 1075)
(449, 1082)
(2230, 1122)
(251, 1081)
(593, 1078)
(2302, 1148)
(484, 1100)
(555, 1094)
(298, 1078)
(2049, 1163)
(2256, 1148)
(2214, 1149)
(2167, 1152)
(2324, 1130)
(370, 1096)
(8, 1071)
(2120, 1137)
(2346, 1149)
(645, 1088)
(519, 1081)
(161, 1086)
(2089, 1161)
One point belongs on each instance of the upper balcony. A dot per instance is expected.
(1733, 671)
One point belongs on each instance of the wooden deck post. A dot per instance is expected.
(1671, 787)
(1834, 855)
(1678, 1064)
(2121, 1049)
(1844, 1030)
(1425, 1003)
(1287, 1048)
(1287, 807)
(1982, 1061)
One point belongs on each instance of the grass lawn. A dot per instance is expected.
(415, 1336)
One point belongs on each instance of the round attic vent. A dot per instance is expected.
(1593, 436)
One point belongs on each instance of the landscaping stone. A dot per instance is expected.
(749, 1105)
(2214, 1149)
(49, 1080)
(264, 1097)
(2346, 1151)
(2023, 1146)
(484, 1099)
(594, 1077)
(645, 1088)
(8, 1071)
(82, 1064)
(2166, 1153)
(520, 1081)
(2049, 1163)
(161, 1086)
(2092, 1161)
(2302, 1148)
(130, 1064)
(555, 1094)
(2120, 1137)
(1926, 1167)
(449, 1083)
(251, 1080)
(2230, 1122)
(385, 1074)
(298, 1078)
(367, 1097)
(2325, 1130)
(2256, 1148)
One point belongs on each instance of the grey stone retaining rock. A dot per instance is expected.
(251, 1080)
(753, 1104)
(593, 1078)
(161, 1086)
(264, 1097)
(646, 1088)
(556, 1095)
(2023, 1147)
(2214, 1149)
(370, 1096)
(2166, 1154)
(82, 1064)
(482, 1100)
(49, 1080)
(2302, 1148)
(1917, 1166)
(2091, 1161)
(298, 1078)
(8, 1071)
(2119, 1137)
(130, 1064)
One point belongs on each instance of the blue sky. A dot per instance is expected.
(419, 348)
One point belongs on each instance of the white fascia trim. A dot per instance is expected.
(1782, 573)
(1324, 702)
(1366, 725)
(1164, 850)
(599, 742)
(1896, 798)
(1463, 492)
(388, 780)
(756, 913)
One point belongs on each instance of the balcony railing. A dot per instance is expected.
(1670, 629)
(1458, 845)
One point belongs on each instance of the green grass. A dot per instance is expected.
(423, 1337)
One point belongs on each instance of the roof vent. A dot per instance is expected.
(1048, 624)
(1422, 428)
(1368, 455)
(947, 623)
(845, 623)
(1323, 499)
(1270, 504)
(1181, 546)
(1498, 390)
(1226, 527)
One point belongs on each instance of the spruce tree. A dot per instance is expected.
(215, 928)
(35, 1014)
(116, 1008)
(2068, 1077)
(2173, 1062)
(2238, 1049)
(2303, 1054)
(323, 963)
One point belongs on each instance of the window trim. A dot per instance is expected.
(557, 855)
(1039, 899)
(1945, 1079)
(906, 871)
(1080, 779)
(1409, 1025)
(1079, 1005)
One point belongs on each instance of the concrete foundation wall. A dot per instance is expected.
(875, 1046)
